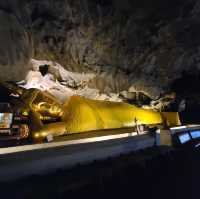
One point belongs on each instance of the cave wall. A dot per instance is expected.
(15, 48)
(143, 44)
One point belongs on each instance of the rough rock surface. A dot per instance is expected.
(15, 50)
(62, 83)
(141, 44)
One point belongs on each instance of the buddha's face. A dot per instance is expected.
(47, 109)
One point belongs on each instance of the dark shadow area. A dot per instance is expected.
(187, 87)
(150, 173)
(5, 94)
(44, 69)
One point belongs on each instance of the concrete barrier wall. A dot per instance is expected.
(21, 164)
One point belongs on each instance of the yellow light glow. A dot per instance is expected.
(25, 113)
(36, 135)
(44, 134)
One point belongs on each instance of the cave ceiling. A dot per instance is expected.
(140, 44)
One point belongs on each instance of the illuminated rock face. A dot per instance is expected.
(62, 83)
(144, 44)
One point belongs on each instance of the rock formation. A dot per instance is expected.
(15, 48)
(52, 77)
(140, 44)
